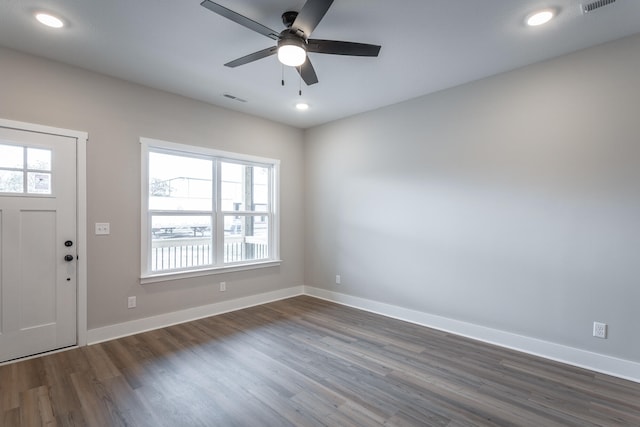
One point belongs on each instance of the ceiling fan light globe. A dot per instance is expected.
(292, 55)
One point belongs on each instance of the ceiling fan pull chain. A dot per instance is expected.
(300, 81)
(283, 75)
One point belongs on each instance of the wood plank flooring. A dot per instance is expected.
(306, 362)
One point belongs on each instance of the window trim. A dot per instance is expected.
(149, 144)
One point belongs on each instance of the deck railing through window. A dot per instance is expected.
(175, 254)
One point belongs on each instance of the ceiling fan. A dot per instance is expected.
(294, 43)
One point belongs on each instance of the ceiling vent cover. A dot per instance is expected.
(590, 7)
(235, 98)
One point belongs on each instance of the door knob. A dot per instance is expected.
(68, 258)
(68, 243)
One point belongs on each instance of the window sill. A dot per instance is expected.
(165, 277)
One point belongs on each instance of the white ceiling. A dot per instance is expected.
(427, 45)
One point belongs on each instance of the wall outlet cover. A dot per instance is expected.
(102, 228)
(600, 330)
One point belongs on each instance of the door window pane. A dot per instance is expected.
(11, 181)
(39, 183)
(179, 183)
(179, 242)
(11, 156)
(38, 159)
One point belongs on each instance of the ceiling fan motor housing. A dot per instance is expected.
(291, 38)
(288, 18)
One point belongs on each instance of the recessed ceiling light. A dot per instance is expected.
(541, 17)
(49, 20)
(302, 106)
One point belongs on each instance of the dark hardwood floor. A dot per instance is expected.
(306, 362)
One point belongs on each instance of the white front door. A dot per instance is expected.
(38, 266)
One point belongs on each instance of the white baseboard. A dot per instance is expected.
(137, 326)
(621, 368)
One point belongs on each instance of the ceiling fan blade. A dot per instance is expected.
(307, 73)
(240, 19)
(252, 57)
(311, 14)
(334, 47)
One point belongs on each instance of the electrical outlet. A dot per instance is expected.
(223, 286)
(102, 228)
(131, 302)
(600, 330)
(338, 279)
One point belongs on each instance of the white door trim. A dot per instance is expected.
(81, 182)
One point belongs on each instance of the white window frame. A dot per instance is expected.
(147, 276)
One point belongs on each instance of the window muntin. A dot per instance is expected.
(206, 210)
(25, 170)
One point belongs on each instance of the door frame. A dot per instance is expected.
(81, 207)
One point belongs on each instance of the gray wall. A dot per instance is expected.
(115, 114)
(511, 202)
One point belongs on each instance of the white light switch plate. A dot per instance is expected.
(102, 228)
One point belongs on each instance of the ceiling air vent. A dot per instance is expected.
(590, 7)
(235, 98)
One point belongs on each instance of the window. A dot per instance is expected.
(206, 211)
(25, 170)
